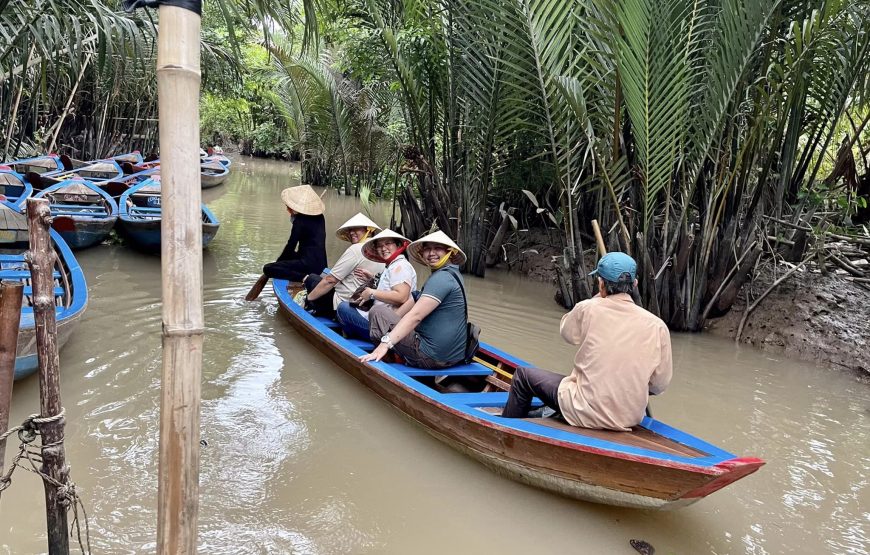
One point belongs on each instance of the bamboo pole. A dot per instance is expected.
(41, 259)
(11, 293)
(599, 240)
(178, 80)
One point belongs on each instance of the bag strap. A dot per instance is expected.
(464, 296)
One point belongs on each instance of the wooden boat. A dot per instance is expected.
(14, 188)
(95, 172)
(212, 174)
(140, 216)
(654, 466)
(70, 290)
(220, 158)
(39, 165)
(83, 213)
(134, 157)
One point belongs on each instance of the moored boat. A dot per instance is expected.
(654, 466)
(14, 188)
(95, 172)
(83, 213)
(140, 215)
(70, 289)
(212, 174)
(39, 164)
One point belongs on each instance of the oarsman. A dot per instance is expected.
(624, 355)
(305, 251)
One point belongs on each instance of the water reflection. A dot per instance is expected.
(302, 459)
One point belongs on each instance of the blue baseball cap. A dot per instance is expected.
(612, 265)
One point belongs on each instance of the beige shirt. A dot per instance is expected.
(343, 269)
(625, 354)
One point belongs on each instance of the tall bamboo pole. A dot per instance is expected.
(41, 259)
(178, 80)
(10, 317)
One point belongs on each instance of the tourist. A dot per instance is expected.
(433, 333)
(394, 287)
(624, 355)
(325, 292)
(305, 252)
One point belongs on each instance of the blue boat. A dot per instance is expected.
(70, 289)
(212, 173)
(653, 466)
(14, 188)
(95, 172)
(39, 164)
(141, 214)
(83, 213)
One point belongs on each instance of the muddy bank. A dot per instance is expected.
(823, 319)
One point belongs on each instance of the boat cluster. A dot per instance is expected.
(87, 200)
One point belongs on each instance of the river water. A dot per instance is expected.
(301, 458)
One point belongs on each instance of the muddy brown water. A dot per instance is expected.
(303, 459)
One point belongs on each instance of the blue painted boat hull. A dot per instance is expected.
(654, 466)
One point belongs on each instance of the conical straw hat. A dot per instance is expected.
(302, 199)
(441, 238)
(368, 248)
(357, 221)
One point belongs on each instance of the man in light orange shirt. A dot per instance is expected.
(624, 355)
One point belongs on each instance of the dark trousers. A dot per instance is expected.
(382, 319)
(323, 305)
(291, 270)
(529, 382)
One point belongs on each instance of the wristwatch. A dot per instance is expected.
(386, 339)
(372, 297)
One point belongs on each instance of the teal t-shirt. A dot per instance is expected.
(443, 332)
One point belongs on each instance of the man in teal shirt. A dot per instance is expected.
(432, 332)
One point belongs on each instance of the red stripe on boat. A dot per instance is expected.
(733, 470)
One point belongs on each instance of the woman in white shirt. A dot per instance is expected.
(394, 288)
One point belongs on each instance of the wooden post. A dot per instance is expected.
(41, 259)
(178, 80)
(11, 293)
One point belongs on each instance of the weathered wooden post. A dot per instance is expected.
(11, 293)
(41, 259)
(178, 81)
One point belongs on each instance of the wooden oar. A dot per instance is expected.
(257, 288)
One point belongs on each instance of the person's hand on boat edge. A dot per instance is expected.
(377, 354)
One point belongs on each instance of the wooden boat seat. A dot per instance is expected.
(21, 274)
(482, 400)
(361, 343)
(473, 369)
(328, 322)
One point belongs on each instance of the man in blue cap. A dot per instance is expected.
(624, 355)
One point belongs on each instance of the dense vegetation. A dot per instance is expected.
(701, 134)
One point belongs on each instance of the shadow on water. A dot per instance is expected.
(301, 458)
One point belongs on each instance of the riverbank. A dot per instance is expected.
(821, 319)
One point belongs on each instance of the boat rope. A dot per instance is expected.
(27, 432)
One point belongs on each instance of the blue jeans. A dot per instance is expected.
(352, 322)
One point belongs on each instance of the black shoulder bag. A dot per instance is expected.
(472, 332)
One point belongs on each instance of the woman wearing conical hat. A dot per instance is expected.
(433, 333)
(305, 252)
(394, 288)
(349, 272)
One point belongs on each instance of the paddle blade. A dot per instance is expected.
(67, 163)
(35, 180)
(63, 223)
(114, 188)
(257, 288)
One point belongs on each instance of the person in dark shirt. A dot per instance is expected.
(305, 252)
